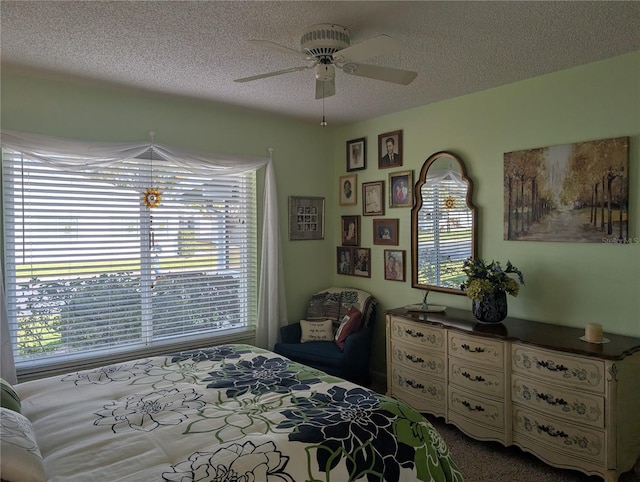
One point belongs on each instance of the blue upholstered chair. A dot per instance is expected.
(350, 363)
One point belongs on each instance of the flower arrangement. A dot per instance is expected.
(484, 279)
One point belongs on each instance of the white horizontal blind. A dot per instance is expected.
(445, 223)
(91, 271)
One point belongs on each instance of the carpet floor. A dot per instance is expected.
(492, 462)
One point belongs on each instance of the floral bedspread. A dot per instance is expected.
(232, 413)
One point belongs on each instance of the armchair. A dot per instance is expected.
(350, 363)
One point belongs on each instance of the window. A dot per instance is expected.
(92, 272)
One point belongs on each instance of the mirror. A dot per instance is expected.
(443, 224)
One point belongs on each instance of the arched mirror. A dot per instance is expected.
(443, 224)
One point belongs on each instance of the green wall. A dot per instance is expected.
(566, 283)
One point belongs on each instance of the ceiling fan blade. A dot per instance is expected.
(325, 88)
(387, 74)
(273, 74)
(382, 44)
(280, 48)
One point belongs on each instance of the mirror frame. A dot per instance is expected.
(417, 205)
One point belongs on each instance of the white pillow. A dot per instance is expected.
(316, 330)
(21, 458)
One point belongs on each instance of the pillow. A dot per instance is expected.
(21, 458)
(316, 306)
(8, 397)
(350, 324)
(316, 330)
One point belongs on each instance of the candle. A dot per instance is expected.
(593, 332)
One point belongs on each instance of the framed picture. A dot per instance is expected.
(390, 150)
(348, 190)
(385, 231)
(357, 154)
(362, 262)
(344, 257)
(373, 198)
(583, 187)
(394, 261)
(351, 230)
(306, 218)
(401, 189)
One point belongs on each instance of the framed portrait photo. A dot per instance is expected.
(401, 189)
(357, 154)
(390, 150)
(394, 262)
(362, 262)
(373, 198)
(385, 231)
(306, 218)
(344, 258)
(348, 190)
(351, 230)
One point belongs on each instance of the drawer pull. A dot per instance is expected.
(413, 384)
(550, 400)
(413, 358)
(477, 378)
(551, 366)
(551, 431)
(472, 350)
(477, 408)
(414, 333)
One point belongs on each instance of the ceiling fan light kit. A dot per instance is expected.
(325, 72)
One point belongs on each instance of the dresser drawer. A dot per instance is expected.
(562, 402)
(422, 334)
(417, 385)
(567, 370)
(477, 408)
(560, 435)
(417, 358)
(477, 349)
(479, 379)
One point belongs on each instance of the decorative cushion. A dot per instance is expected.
(316, 330)
(21, 458)
(8, 397)
(316, 306)
(350, 324)
(338, 301)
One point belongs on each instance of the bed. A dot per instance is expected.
(226, 413)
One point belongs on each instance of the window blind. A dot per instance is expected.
(446, 221)
(92, 271)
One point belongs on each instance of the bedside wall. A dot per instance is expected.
(566, 283)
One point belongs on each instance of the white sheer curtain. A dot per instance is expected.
(89, 156)
(7, 366)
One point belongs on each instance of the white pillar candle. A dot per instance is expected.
(593, 332)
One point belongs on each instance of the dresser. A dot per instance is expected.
(573, 404)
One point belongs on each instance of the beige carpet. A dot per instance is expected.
(492, 462)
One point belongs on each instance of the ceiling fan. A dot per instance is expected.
(327, 46)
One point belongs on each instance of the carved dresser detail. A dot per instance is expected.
(573, 404)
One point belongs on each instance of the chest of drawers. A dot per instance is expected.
(573, 404)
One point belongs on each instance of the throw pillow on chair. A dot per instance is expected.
(350, 324)
(316, 330)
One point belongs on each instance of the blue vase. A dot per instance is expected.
(491, 309)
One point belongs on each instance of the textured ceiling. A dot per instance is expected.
(197, 48)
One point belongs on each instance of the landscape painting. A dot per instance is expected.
(568, 193)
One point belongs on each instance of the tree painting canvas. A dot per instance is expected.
(571, 192)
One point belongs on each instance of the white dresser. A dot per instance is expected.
(538, 386)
